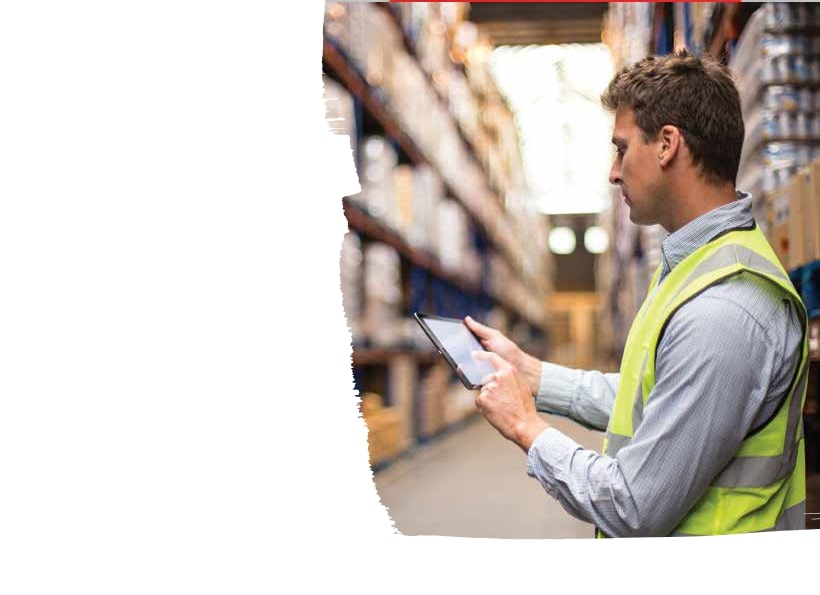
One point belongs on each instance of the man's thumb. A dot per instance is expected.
(477, 327)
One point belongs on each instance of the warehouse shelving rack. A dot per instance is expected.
(335, 60)
(398, 372)
(411, 51)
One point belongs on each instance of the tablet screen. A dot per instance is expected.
(459, 342)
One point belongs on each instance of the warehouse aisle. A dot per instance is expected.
(473, 483)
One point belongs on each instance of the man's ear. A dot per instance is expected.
(670, 142)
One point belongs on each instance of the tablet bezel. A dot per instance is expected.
(420, 318)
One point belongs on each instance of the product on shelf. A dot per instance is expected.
(780, 15)
(779, 233)
(455, 250)
(337, 23)
(339, 110)
(403, 197)
(377, 162)
(351, 284)
(382, 302)
(795, 212)
(433, 54)
(431, 410)
(346, 24)
(371, 403)
(768, 55)
(403, 214)
(413, 18)
(428, 192)
(627, 31)
(813, 209)
(383, 428)
(383, 46)
(779, 162)
(801, 240)
(767, 124)
(789, 98)
(463, 106)
(774, 66)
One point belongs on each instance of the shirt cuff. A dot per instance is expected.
(558, 388)
(549, 458)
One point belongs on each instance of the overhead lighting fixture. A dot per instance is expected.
(564, 130)
(562, 240)
(596, 240)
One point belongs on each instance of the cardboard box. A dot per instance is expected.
(779, 239)
(403, 372)
(372, 404)
(801, 241)
(813, 209)
(383, 434)
(431, 410)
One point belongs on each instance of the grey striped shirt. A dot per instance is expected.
(723, 363)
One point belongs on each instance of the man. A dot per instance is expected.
(704, 430)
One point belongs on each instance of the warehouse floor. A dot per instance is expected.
(471, 482)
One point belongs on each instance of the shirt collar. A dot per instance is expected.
(698, 232)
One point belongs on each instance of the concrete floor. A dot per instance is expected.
(471, 482)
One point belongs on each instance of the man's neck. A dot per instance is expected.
(694, 200)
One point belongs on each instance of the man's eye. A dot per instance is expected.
(620, 150)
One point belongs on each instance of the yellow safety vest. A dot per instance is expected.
(766, 479)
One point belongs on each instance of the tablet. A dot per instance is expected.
(456, 343)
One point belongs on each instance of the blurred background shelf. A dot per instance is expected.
(501, 236)
(381, 357)
(438, 224)
(366, 225)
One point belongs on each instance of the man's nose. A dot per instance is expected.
(615, 174)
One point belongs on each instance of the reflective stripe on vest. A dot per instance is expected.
(793, 518)
(767, 475)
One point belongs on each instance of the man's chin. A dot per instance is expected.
(639, 219)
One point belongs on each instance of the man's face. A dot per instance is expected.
(637, 170)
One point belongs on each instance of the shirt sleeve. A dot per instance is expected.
(706, 396)
(584, 396)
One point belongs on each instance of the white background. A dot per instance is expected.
(176, 407)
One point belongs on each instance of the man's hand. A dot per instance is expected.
(528, 367)
(505, 401)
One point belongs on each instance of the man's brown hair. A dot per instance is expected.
(697, 95)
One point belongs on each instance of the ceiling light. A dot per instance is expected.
(596, 240)
(562, 240)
